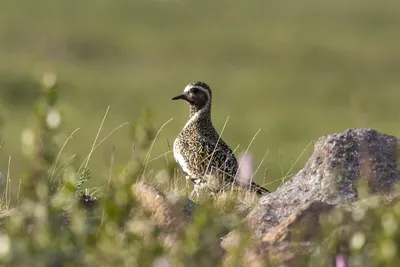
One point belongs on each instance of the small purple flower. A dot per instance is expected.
(245, 172)
(341, 261)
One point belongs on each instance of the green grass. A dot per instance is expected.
(297, 70)
(42, 224)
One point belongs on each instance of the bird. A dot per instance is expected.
(202, 154)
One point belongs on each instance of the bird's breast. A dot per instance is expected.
(180, 158)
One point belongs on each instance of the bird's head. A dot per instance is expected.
(197, 94)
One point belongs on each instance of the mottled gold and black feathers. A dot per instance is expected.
(199, 150)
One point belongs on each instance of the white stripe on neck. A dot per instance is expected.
(200, 111)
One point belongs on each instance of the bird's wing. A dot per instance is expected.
(217, 156)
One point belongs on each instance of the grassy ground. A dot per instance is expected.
(297, 70)
(134, 224)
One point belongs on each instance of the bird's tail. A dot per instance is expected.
(258, 189)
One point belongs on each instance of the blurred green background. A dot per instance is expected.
(296, 69)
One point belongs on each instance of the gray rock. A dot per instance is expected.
(331, 175)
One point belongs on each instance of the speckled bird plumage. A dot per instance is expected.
(203, 156)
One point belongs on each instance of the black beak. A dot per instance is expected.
(182, 96)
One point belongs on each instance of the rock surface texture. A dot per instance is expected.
(287, 221)
(331, 175)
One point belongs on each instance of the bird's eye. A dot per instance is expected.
(195, 90)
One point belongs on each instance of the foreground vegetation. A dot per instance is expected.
(298, 70)
(51, 219)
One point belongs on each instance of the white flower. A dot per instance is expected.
(357, 241)
(53, 119)
(49, 79)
